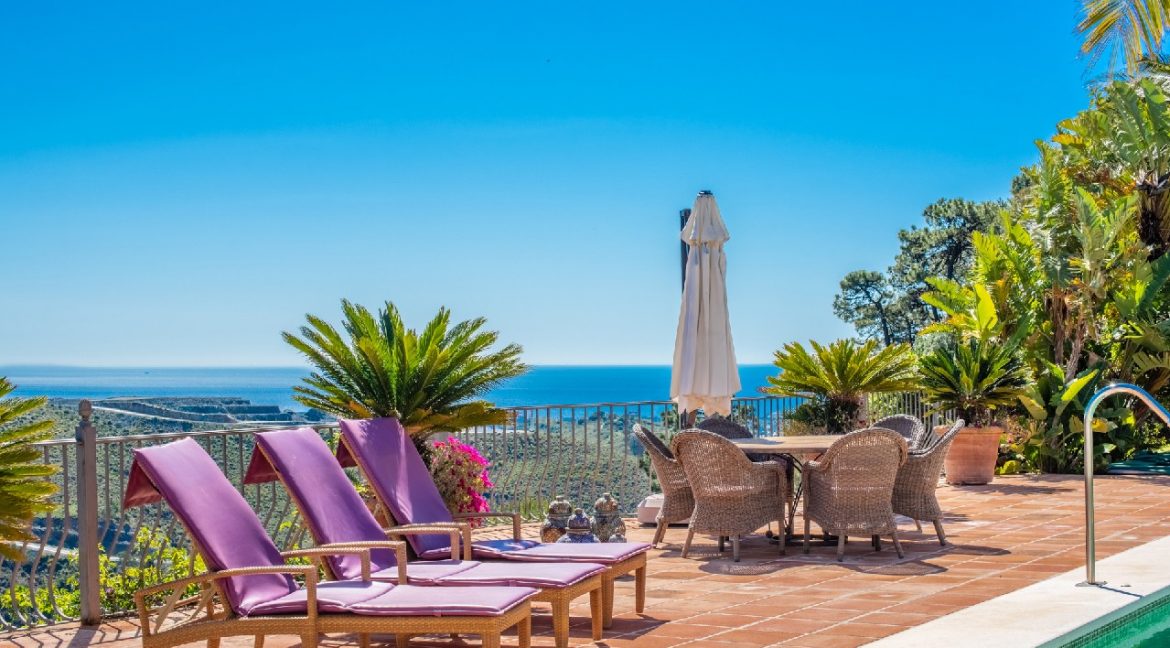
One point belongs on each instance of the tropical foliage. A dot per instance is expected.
(1075, 275)
(838, 376)
(430, 380)
(24, 485)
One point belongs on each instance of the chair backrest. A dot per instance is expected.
(867, 460)
(331, 508)
(908, 426)
(669, 471)
(710, 461)
(724, 427)
(223, 528)
(934, 444)
(652, 443)
(386, 455)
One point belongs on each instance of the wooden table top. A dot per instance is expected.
(810, 444)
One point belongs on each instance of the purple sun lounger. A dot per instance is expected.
(255, 589)
(336, 515)
(385, 454)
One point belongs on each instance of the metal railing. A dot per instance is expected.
(1090, 508)
(89, 554)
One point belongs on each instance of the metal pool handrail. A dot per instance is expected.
(1090, 518)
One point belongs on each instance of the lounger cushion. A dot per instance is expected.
(518, 574)
(413, 600)
(332, 596)
(330, 506)
(218, 518)
(606, 553)
(400, 477)
(482, 549)
(426, 572)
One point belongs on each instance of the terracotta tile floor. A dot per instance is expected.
(1014, 532)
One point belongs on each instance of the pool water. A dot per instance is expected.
(1143, 624)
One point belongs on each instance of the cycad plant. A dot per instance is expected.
(841, 374)
(24, 487)
(430, 381)
(975, 379)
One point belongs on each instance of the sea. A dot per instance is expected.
(542, 385)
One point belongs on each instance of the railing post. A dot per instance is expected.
(87, 517)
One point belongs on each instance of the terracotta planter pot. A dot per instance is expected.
(971, 458)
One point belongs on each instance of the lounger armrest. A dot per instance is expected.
(308, 571)
(515, 517)
(325, 551)
(365, 546)
(457, 532)
(177, 587)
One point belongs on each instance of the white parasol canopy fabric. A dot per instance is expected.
(704, 375)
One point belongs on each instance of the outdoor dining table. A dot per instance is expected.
(797, 449)
(806, 444)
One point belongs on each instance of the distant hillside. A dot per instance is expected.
(131, 416)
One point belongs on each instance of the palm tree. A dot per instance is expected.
(430, 381)
(24, 489)
(841, 374)
(1133, 28)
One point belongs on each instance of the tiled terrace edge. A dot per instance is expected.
(1043, 612)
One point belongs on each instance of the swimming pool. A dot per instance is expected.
(1145, 623)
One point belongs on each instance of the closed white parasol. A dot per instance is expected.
(704, 375)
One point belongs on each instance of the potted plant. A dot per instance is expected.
(429, 381)
(840, 375)
(975, 379)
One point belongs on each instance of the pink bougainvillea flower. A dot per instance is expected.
(461, 474)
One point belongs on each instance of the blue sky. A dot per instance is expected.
(178, 184)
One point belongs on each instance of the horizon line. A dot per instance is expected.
(6, 367)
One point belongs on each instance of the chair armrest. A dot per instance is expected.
(438, 528)
(515, 517)
(398, 546)
(769, 466)
(761, 468)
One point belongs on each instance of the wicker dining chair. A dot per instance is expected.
(910, 427)
(678, 502)
(729, 429)
(849, 490)
(733, 495)
(917, 481)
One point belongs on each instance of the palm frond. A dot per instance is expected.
(24, 487)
